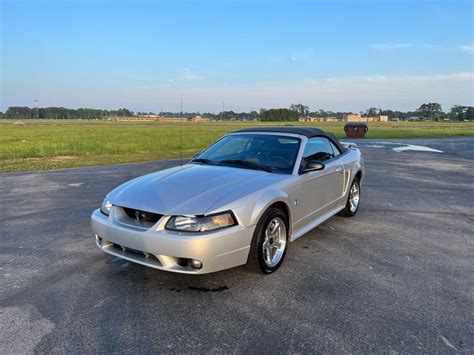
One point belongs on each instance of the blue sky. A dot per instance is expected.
(146, 55)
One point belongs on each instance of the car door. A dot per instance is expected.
(319, 191)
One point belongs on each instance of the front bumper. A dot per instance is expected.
(165, 250)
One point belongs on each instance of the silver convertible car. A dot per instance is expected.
(240, 201)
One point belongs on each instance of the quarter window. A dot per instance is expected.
(335, 149)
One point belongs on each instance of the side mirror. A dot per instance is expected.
(313, 165)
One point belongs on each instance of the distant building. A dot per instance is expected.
(319, 119)
(173, 119)
(352, 118)
(310, 119)
(199, 119)
(358, 118)
(149, 118)
(134, 118)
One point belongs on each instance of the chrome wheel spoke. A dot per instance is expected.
(276, 225)
(268, 254)
(266, 243)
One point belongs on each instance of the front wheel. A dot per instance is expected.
(269, 242)
(353, 200)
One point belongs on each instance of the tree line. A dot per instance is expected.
(432, 110)
(62, 113)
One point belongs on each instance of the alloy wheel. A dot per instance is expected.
(274, 243)
(354, 197)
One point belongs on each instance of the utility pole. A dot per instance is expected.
(223, 109)
(37, 112)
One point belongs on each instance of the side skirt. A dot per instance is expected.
(302, 231)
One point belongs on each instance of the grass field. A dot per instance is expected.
(51, 144)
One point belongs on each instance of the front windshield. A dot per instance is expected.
(262, 151)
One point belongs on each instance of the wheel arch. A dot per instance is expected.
(283, 206)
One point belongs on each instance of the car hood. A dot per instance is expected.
(190, 189)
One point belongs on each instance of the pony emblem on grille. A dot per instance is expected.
(137, 215)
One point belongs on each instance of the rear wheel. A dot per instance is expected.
(353, 200)
(269, 242)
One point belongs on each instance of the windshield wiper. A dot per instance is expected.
(204, 161)
(246, 163)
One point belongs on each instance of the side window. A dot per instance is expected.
(318, 148)
(335, 149)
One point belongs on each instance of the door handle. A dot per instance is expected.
(338, 169)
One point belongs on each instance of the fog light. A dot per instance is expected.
(195, 264)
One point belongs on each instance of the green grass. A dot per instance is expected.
(52, 144)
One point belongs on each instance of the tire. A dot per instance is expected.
(258, 260)
(350, 210)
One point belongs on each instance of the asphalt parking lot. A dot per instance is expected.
(397, 278)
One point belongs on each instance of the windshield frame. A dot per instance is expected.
(299, 151)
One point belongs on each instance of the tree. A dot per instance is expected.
(227, 115)
(278, 114)
(253, 114)
(469, 114)
(322, 113)
(124, 112)
(301, 109)
(460, 113)
(432, 110)
(371, 112)
(457, 113)
(63, 113)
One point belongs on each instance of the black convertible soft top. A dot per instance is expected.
(303, 131)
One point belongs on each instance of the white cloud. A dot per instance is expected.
(467, 48)
(390, 45)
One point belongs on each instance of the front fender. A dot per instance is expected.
(267, 199)
(250, 214)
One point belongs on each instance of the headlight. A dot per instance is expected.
(106, 207)
(201, 223)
